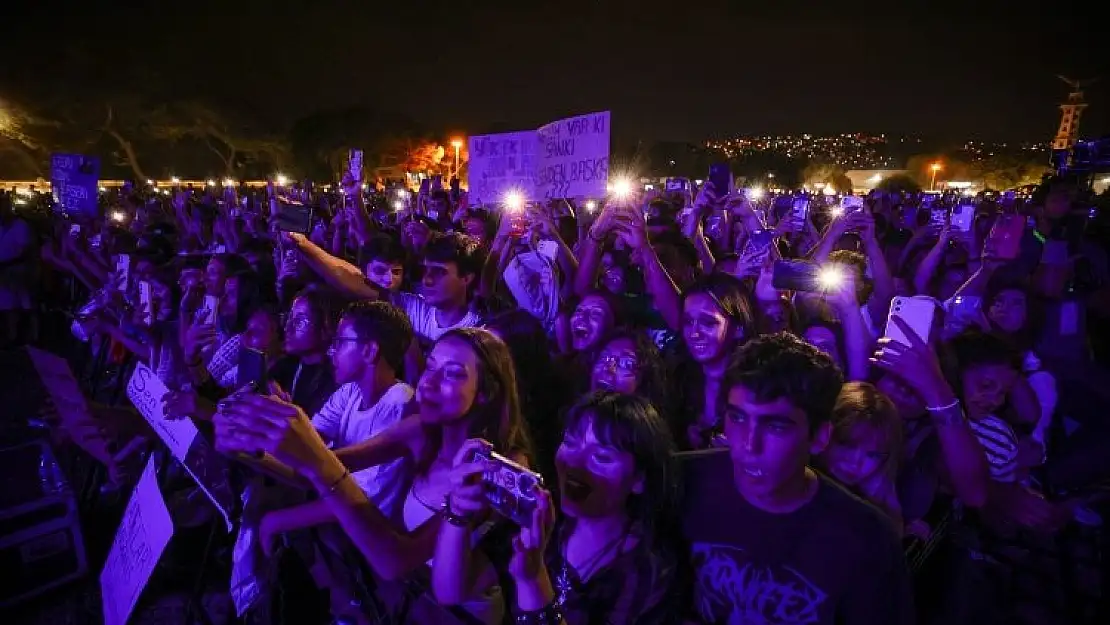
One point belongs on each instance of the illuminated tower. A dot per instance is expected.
(1070, 112)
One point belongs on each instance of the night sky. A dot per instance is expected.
(667, 70)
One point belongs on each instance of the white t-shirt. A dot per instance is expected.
(423, 317)
(341, 423)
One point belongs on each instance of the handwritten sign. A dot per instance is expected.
(74, 180)
(60, 384)
(500, 163)
(574, 157)
(142, 536)
(146, 391)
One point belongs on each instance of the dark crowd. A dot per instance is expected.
(693, 405)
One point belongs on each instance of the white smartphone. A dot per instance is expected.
(918, 312)
(145, 306)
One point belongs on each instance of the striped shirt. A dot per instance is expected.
(1000, 445)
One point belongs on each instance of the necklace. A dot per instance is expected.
(564, 583)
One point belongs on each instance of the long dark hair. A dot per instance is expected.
(495, 415)
(540, 396)
(631, 424)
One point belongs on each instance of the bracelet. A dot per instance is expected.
(452, 518)
(339, 480)
(955, 402)
(547, 615)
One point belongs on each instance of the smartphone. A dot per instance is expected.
(207, 313)
(721, 177)
(510, 488)
(146, 309)
(677, 184)
(938, 217)
(1005, 236)
(801, 275)
(253, 370)
(74, 230)
(293, 217)
(123, 271)
(425, 186)
(94, 241)
(963, 216)
(354, 165)
(757, 247)
(917, 311)
(799, 212)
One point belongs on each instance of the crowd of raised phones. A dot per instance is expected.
(690, 406)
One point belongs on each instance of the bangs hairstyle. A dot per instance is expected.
(860, 404)
(629, 423)
(495, 415)
(782, 366)
(729, 294)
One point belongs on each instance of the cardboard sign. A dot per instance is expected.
(74, 181)
(574, 157)
(568, 158)
(146, 391)
(142, 536)
(501, 163)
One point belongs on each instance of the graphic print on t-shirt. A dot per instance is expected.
(732, 589)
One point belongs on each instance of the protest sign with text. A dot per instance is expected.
(500, 163)
(142, 536)
(207, 468)
(574, 157)
(74, 181)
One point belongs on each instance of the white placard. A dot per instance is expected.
(142, 536)
(500, 163)
(146, 391)
(574, 157)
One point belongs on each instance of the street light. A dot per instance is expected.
(457, 144)
(933, 182)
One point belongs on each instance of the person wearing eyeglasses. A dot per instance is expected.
(366, 353)
(305, 372)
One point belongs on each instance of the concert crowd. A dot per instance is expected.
(693, 405)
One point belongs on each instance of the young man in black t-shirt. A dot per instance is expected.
(773, 542)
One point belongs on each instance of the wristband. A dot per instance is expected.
(452, 518)
(339, 480)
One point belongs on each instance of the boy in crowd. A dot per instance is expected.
(779, 543)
